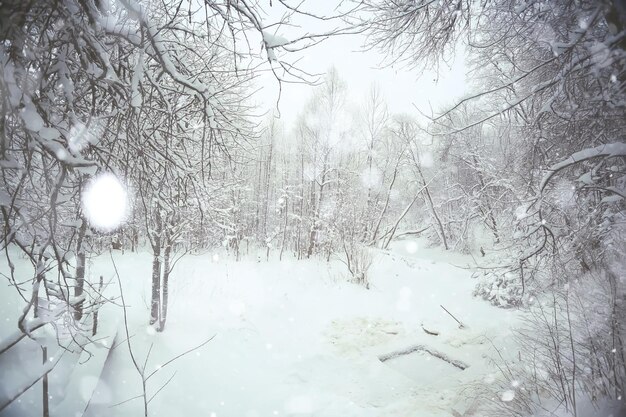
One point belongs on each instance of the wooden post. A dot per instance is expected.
(94, 330)
(46, 409)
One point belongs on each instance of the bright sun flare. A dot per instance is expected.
(105, 202)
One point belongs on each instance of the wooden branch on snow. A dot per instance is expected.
(430, 332)
(415, 348)
(461, 325)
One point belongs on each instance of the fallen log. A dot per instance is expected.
(417, 348)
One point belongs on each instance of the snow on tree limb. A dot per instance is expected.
(609, 150)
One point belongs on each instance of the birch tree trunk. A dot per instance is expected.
(155, 304)
(80, 270)
(165, 283)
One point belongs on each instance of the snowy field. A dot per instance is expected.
(292, 338)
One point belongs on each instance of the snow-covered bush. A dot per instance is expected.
(358, 260)
(502, 289)
(571, 353)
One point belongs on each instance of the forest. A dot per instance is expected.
(197, 221)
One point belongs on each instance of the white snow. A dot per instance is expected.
(295, 338)
(137, 98)
(5, 199)
(411, 246)
(273, 41)
(49, 133)
(80, 137)
(371, 178)
(426, 159)
(32, 119)
(508, 395)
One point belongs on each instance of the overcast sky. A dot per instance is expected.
(402, 87)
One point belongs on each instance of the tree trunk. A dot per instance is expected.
(257, 197)
(493, 226)
(165, 288)
(299, 237)
(368, 204)
(155, 304)
(156, 284)
(266, 186)
(317, 208)
(285, 220)
(45, 391)
(313, 231)
(384, 210)
(442, 234)
(392, 231)
(80, 270)
(94, 329)
(134, 239)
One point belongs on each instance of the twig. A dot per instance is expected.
(180, 356)
(95, 314)
(127, 400)
(142, 370)
(461, 325)
(145, 362)
(162, 386)
(430, 332)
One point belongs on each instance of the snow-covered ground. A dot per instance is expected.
(294, 338)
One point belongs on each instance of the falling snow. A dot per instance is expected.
(207, 211)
